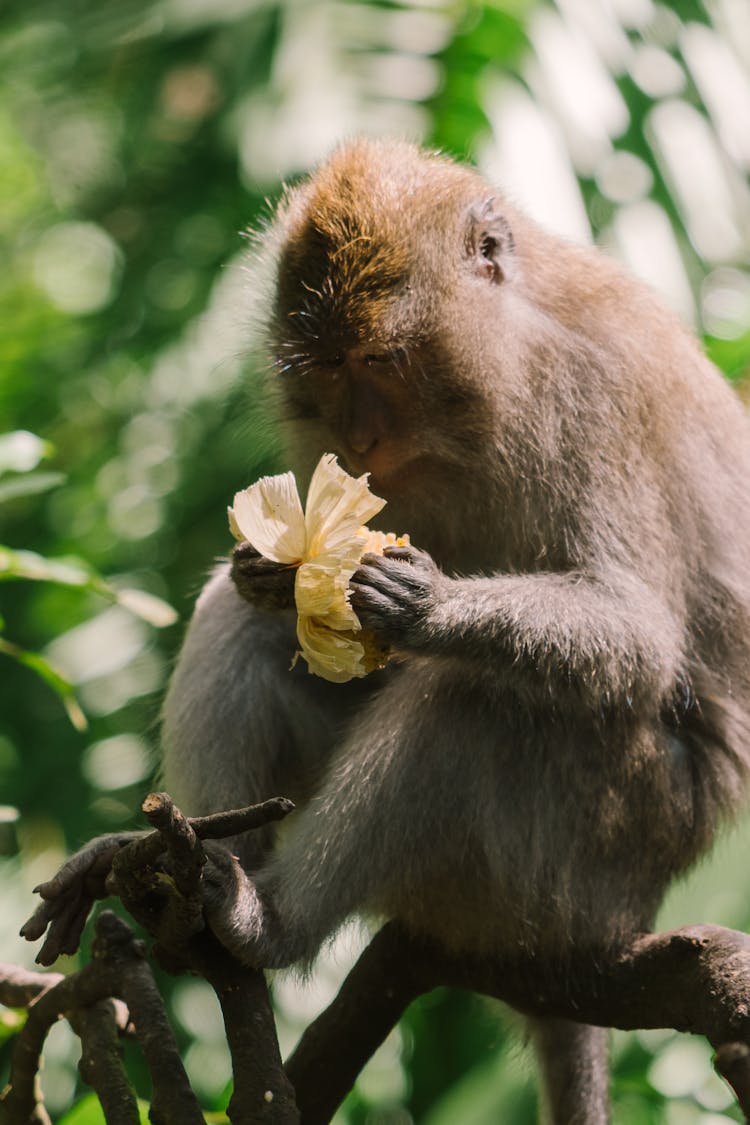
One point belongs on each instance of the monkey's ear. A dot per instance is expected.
(489, 241)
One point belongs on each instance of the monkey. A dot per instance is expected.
(564, 724)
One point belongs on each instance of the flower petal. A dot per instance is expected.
(335, 656)
(322, 590)
(269, 515)
(337, 505)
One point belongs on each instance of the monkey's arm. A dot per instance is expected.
(613, 637)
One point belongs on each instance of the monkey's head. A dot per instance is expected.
(393, 267)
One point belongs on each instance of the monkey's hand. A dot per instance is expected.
(393, 595)
(266, 585)
(68, 896)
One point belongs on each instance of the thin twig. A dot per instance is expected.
(218, 826)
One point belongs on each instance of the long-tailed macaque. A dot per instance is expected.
(566, 721)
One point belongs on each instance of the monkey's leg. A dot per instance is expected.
(238, 725)
(574, 1072)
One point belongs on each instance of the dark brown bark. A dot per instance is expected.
(262, 1090)
(696, 979)
(101, 1065)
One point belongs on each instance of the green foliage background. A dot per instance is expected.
(138, 140)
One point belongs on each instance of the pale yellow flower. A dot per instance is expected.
(325, 543)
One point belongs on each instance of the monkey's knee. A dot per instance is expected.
(574, 1072)
(239, 724)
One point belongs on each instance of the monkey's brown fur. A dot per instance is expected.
(568, 721)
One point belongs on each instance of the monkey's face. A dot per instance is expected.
(389, 261)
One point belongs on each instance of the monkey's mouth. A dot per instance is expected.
(389, 477)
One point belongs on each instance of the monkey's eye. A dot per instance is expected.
(395, 357)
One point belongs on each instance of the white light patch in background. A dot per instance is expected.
(109, 659)
(568, 75)
(99, 647)
(723, 84)
(81, 150)
(624, 177)
(528, 159)
(78, 266)
(707, 192)
(635, 14)
(732, 20)
(664, 27)
(135, 512)
(317, 95)
(106, 694)
(411, 77)
(189, 14)
(683, 1069)
(114, 763)
(725, 303)
(310, 105)
(207, 1062)
(423, 32)
(600, 23)
(644, 240)
(656, 72)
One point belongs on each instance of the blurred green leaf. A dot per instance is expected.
(62, 687)
(146, 606)
(29, 485)
(29, 564)
(75, 572)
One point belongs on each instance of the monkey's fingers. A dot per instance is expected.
(68, 896)
(403, 554)
(376, 572)
(247, 559)
(245, 550)
(63, 918)
(370, 590)
(381, 610)
(260, 581)
(90, 865)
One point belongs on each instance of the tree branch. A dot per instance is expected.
(696, 979)
(262, 1091)
(117, 968)
(101, 1065)
(732, 1062)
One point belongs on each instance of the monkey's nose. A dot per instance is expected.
(362, 442)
